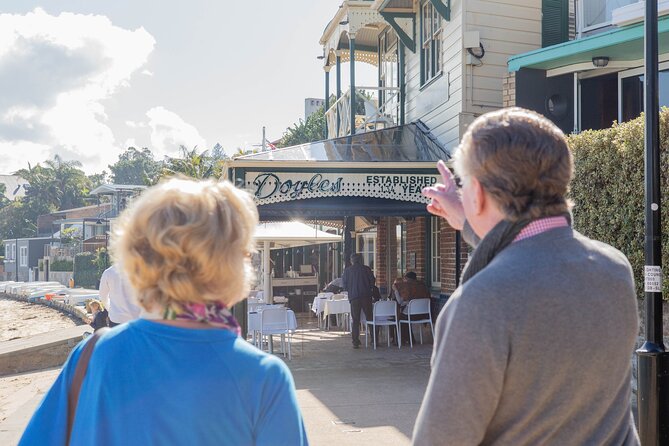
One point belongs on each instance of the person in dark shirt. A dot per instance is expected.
(99, 317)
(406, 289)
(358, 280)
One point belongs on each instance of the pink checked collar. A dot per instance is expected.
(541, 225)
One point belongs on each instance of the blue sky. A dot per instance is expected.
(85, 79)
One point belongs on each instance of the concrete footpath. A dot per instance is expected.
(347, 396)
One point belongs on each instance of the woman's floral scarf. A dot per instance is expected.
(215, 314)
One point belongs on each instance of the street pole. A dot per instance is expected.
(653, 374)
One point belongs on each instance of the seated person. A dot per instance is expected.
(405, 289)
(99, 316)
(336, 286)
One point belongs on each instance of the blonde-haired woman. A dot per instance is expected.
(181, 374)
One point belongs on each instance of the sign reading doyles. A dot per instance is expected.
(275, 187)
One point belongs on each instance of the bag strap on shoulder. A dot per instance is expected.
(79, 375)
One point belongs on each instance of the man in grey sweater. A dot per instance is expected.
(534, 347)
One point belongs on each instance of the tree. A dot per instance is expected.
(71, 182)
(98, 179)
(136, 167)
(313, 129)
(4, 201)
(193, 164)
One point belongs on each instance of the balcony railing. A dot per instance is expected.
(338, 116)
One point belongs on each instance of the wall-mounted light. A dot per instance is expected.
(600, 61)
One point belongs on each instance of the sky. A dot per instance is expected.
(85, 79)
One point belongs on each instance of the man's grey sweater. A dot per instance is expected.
(535, 349)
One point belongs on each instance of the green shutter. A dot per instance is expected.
(554, 22)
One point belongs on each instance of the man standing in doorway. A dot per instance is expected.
(116, 295)
(358, 280)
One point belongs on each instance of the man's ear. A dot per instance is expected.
(479, 196)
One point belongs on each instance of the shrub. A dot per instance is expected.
(85, 270)
(61, 265)
(608, 189)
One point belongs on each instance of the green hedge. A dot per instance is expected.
(85, 271)
(608, 189)
(61, 265)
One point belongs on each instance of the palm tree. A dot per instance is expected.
(193, 164)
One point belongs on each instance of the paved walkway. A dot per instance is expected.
(347, 396)
(353, 397)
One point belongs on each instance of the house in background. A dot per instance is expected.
(311, 105)
(22, 258)
(15, 186)
(589, 71)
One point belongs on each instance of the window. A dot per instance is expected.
(632, 96)
(430, 52)
(11, 252)
(23, 253)
(435, 252)
(599, 108)
(401, 240)
(598, 13)
(366, 244)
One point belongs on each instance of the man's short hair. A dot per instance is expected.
(521, 159)
(356, 258)
(411, 275)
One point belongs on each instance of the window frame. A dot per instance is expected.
(363, 249)
(430, 43)
(435, 252)
(23, 256)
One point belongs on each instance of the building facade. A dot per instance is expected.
(588, 71)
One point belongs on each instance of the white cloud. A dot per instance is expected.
(147, 73)
(55, 72)
(169, 131)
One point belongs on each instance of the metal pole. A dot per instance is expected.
(263, 138)
(351, 48)
(327, 98)
(653, 395)
(338, 89)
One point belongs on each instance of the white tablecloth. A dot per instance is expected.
(336, 307)
(254, 321)
(319, 302)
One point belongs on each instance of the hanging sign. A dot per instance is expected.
(275, 187)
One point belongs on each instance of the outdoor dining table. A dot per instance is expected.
(336, 307)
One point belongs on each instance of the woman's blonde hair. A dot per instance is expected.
(187, 241)
(521, 159)
(92, 302)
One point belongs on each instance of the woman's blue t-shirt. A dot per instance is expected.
(151, 383)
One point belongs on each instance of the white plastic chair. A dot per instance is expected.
(418, 307)
(274, 321)
(384, 313)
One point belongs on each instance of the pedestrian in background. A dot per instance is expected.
(534, 347)
(181, 374)
(117, 296)
(358, 280)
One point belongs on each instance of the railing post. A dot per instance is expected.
(338, 59)
(327, 98)
(401, 82)
(351, 49)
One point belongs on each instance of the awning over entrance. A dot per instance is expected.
(621, 46)
(379, 173)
